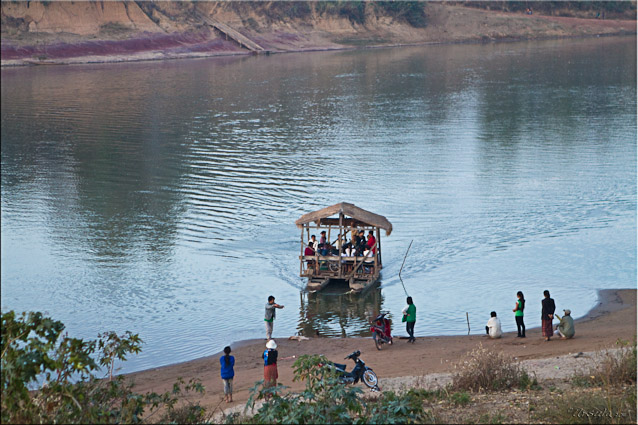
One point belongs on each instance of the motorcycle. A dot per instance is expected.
(381, 332)
(360, 372)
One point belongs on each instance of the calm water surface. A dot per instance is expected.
(161, 197)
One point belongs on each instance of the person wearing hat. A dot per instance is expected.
(565, 329)
(270, 364)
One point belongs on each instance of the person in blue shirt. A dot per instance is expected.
(228, 373)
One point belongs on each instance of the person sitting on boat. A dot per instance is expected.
(372, 241)
(350, 247)
(323, 244)
(368, 254)
(314, 242)
(334, 247)
(361, 243)
(309, 250)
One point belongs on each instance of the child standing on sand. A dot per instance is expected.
(228, 373)
(518, 314)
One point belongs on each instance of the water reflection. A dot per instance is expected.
(334, 313)
(159, 197)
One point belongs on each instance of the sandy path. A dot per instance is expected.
(614, 318)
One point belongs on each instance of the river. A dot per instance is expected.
(160, 197)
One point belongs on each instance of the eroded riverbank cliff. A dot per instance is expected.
(113, 31)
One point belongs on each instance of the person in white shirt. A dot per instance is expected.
(493, 328)
(314, 242)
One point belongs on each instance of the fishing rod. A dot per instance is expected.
(401, 269)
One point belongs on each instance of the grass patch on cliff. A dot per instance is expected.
(353, 41)
(111, 28)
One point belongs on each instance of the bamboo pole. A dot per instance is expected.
(301, 263)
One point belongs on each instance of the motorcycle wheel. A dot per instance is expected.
(370, 379)
(377, 342)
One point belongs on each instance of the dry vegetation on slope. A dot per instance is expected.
(103, 31)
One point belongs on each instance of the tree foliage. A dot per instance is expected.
(326, 400)
(48, 377)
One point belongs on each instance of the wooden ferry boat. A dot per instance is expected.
(338, 260)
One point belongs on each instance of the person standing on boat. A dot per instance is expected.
(547, 315)
(371, 242)
(518, 314)
(409, 317)
(270, 315)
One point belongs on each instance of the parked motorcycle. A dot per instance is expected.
(381, 331)
(360, 372)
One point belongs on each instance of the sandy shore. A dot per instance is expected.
(613, 318)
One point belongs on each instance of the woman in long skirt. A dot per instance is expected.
(270, 365)
(547, 315)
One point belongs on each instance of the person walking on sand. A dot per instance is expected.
(518, 314)
(547, 315)
(270, 315)
(270, 365)
(409, 317)
(228, 373)
(565, 329)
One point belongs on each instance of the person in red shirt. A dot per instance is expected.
(371, 241)
(309, 250)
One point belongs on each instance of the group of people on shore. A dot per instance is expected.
(564, 329)
(269, 355)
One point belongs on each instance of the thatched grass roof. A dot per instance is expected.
(349, 210)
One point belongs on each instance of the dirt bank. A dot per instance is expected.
(614, 318)
(84, 32)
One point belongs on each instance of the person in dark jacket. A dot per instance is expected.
(228, 373)
(547, 315)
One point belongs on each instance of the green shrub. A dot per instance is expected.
(354, 11)
(460, 399)
(412, 12)
(526, 382)
(327, 400)
(48, 377)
